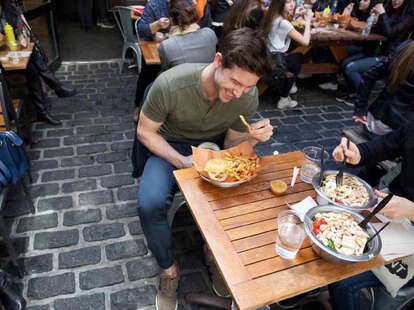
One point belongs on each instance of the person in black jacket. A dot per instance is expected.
(394, 106)
(397, 143)
(345, 294)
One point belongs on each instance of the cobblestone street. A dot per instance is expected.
(84, 248)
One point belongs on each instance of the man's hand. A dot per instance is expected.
(261, 131)
(186, 162)
(163, 22)
(352, 154)
(397, 208)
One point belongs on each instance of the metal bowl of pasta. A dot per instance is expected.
(336, 236)
(354, 194)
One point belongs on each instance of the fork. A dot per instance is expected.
(340, 176)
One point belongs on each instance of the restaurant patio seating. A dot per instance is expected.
(122, 17)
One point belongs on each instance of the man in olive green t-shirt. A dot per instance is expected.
(186, 105)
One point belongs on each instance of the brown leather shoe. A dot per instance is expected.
(167, 294)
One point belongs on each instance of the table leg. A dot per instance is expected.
(338, 52)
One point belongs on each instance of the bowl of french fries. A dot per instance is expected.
(227, 168)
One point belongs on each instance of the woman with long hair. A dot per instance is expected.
(37, 68)
(243, 13)
(394, 107)
(279, 32)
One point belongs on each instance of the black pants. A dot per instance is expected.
(100, 10)
(147, 75)
(38, 70)
(85, 13)
(293, 64)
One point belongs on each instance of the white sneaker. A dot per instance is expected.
(328, 86)
(293, 90)
(304, 76)
(286, 102)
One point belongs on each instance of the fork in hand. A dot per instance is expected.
(340, 176)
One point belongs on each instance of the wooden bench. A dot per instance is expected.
(357, 135)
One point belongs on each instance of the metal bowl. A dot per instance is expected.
(325, 200)
(227, 184)
(374, 246)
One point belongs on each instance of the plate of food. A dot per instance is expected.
(227, 168)
(354, 194)
(337, 237)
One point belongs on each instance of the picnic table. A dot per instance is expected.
(335, 40)
(22, 65)
(239, 226)
(150, 53)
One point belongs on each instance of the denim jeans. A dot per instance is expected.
(353, 67)
(345, 294)
(156, 191)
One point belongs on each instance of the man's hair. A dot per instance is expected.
(246, 49)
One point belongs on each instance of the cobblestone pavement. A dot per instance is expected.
(84, 248)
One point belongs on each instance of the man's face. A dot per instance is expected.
(233, 82)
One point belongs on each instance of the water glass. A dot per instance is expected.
(311, 164)
(290, 234)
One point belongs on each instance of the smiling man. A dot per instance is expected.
(187, 105)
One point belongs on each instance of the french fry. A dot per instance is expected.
(245, 122)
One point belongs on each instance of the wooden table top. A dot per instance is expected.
(149, 50)
(332, 34)
(239, 226)
(22, 65)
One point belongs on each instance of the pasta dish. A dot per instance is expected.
(351, 193)
(340, 232)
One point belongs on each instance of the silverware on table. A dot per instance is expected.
(340, 176)
(377, 209)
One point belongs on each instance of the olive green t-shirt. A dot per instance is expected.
(176, 100)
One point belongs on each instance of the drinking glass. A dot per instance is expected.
(311, 164)
(290, 234)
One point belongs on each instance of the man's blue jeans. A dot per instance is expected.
(156, 191)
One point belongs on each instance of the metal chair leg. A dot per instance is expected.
(9, 245)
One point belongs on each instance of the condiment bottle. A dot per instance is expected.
(11, 39)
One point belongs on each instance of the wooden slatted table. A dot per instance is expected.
(239, 226)
(22, 65)
(149, 50)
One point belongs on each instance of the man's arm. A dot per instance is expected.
(147, 134)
